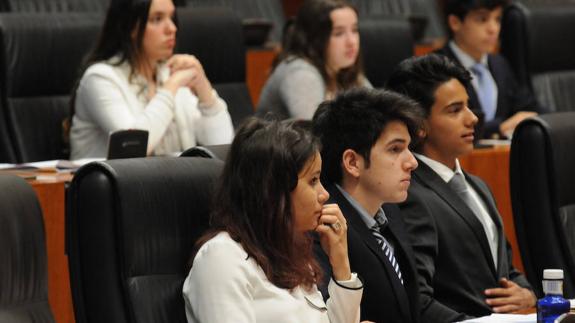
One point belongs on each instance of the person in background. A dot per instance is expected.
(365, 135)
(133, 80)
(474, 27)
(256, 263)
(321, 57)
(463, 259)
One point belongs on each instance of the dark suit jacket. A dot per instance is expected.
(452, 253)
(511, 97)
(384, 298)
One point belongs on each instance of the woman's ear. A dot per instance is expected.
(351, 163)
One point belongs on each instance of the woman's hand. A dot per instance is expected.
(332, 230)
(193, 76)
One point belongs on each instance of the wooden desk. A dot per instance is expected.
(51, 191)
(492, 165)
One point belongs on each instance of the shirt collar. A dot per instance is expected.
(466, 60)
(443, 171)
(368, 219)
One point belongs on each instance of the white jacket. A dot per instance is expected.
(226, 286)
(108, 100)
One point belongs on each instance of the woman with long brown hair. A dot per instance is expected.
(133, 80)
(256, 264)
(320, 57)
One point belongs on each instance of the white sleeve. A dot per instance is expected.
(218, 287)
(302, 90)
(104, 101)
(344, 300)
(215, 124)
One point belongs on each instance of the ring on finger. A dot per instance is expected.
(336, 226)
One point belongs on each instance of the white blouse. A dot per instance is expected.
(109, 99)
(226, 286)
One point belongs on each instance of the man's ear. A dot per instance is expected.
(454, 23)
(352, 163)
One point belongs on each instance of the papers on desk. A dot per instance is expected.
(50, 165)
(502, 318)
(494, 142)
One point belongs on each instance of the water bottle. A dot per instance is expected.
(553, 304)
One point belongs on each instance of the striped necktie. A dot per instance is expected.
(381, 222)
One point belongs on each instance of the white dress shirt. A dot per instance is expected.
(488, 224)
(226, 286)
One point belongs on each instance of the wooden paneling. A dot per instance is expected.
(51, 194)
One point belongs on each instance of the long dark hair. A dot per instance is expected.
(308, 37)
(254, 200)
(122, 18)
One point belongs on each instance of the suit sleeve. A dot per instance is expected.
(518, 97)
(515, 275)
(423, 236)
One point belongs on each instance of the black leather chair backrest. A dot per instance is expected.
(536, 39)
(270, 10)
(426, 9)
(214, 151)
(214, 36)
(40, 59)
(23, 269)
(385, 41)
(543, 196)
(54, 5)
(7, 154)
(132, 225)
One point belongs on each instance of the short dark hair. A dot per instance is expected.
(355, 119)
(253, 200)
(419, 77)
(461, 8)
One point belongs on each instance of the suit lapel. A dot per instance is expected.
(498, 77)
(356, 223)
(494, 214)
(429, 178)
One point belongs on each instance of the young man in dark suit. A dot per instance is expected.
(463, 259)
(474, 27)
(367, 165)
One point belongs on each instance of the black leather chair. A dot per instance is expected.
(543, 196)
(54, 5)
(40, 58)
(7, 154)
(131, 227)
(536, 39)
(423, 12)
(268, 10)
(23, 269)
(214, 151)
(385, 41)
(214, 36)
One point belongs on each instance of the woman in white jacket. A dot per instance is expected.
(256, 263)
(133, 81)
